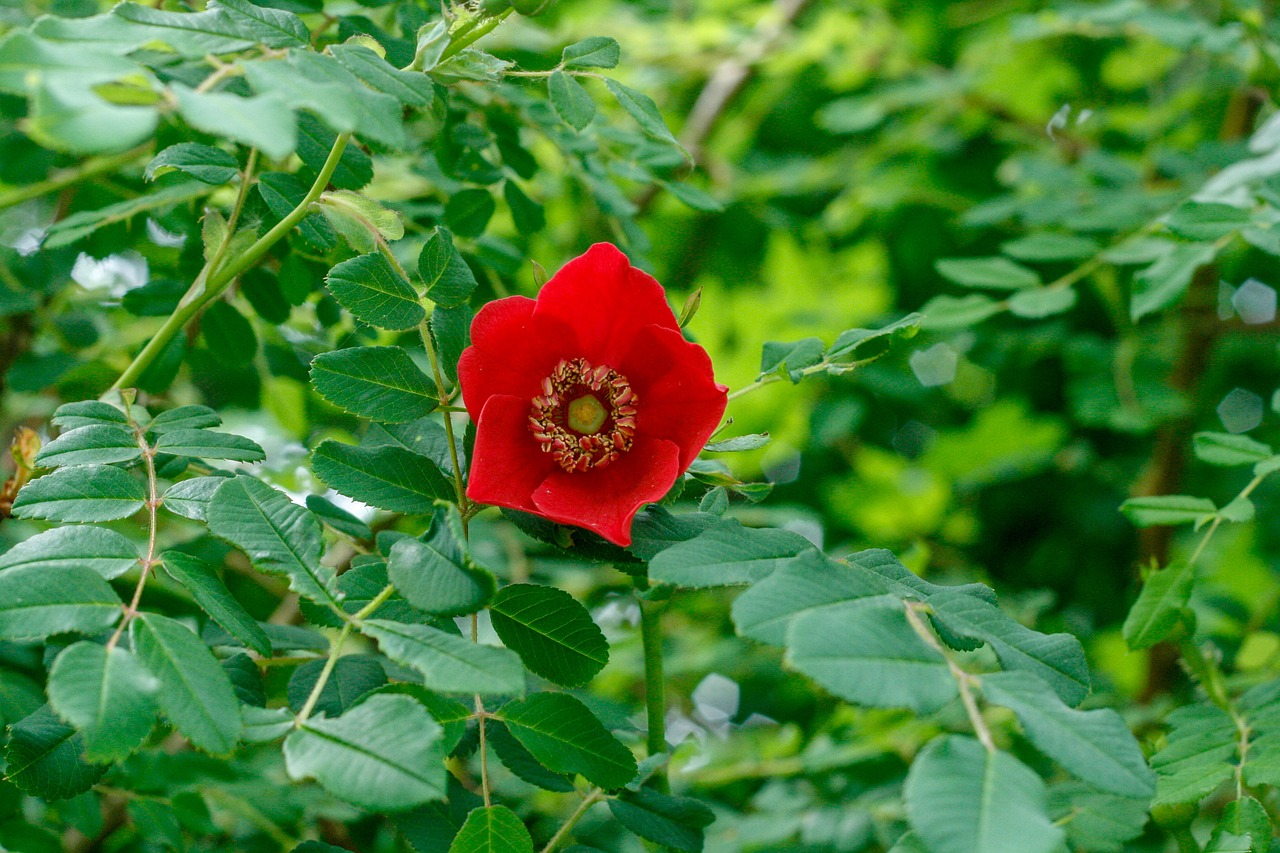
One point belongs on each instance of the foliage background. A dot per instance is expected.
(855, 147)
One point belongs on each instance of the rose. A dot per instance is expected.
(588, 401)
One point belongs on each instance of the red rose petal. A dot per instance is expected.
(506, 463)
(605, 301)
(606, 499)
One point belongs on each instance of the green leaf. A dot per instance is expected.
(408, 87)
(566, 737)
(521, 762)
(947, 313)
(184, 417)
(206, 444)
(25, 59)
(278, 536)
(45, 758)
(469, 211)
(1243, 817)
(641, 108)
(492, 829)
(71, 416)
(83, 223)
(436, 574)
(283, 193)
(370, 289)
(676, 823)
(1047, 247)
(1097, 822)
(1162, 283)
(526, 214)
(1167, 509)
(195, 692)
(337, 518)
(1096, 746)
(214, 598)
(738, 443)
(107, 695)
(1224, 448)
(1057, 659)
(103, 551)
(790, 358)
(1197, 756)
(570, 100)
(961, 799)
(226, 26)
(387, 477)
(380, 383)
(553, 634)
(352, 677)
(190, 498)
(868, 654)
(1197, 220)
(726, 554)
(229, 334)
(448, 663)
(593, 52)
(37, 601)
(380, 755)
(205, 163)
(1160, 606)
(65, 117)
(451, 330)
(271, 27)
(264, 122)
(1037, 303)
(987, 273)
(315, 141)
(692, 196)
(449, 280)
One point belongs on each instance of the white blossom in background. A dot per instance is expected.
(1240, 411)
(617, 613)
(163, 237)
(116, 274)
(1255, 302)
(936, 365)
(715, 702)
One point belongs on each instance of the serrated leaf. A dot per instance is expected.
(37, 601)
(449, 280)
(90, 445)
(521, 762)
(570, 100)
(207, 444)
(593, 52)
(381, 754)
(641, 108)
(676, 823)
(1095, 821)
(205, 163)
(194, 693)
(726, 554)
(987, 273)
(448, 663)
(229, 334)
(283, 192)
(1096, 745)
(436, 574)
(1160, 606)
(184, 417)
(214, 598)
(1167, 509)
(71, 416)
(352, 677)
(1224, 448)
(107, 695)
(190, 498)
(387, 477)
(961, 798)
(45, 758)
(554, 635)
(566, 737)
(1198, 220)
(262, 121)
(278, 536)
(88, 493)
(492, 829)
(370, 289)
(867, 653)
(1197, 757)
(1164, 282)
(738, 443)
(408, 87)
(380, 383)
(337, 518)
(790, 358)
(103, 551)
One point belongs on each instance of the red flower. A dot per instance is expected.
(588, 401)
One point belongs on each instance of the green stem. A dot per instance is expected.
(153, 503)
(460, 490)
(655, 699)
(212, 283)
(472, 33)
(67, 177)
(563, 832)
(329, 664)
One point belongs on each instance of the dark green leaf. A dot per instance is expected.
(1160, 606)
(206, 444)
(104, 551)
(203, 162)
(381, 383)
(88, 493)
(1167, 509)
(1162, 283)
(436, 574)
(553, 634)
(190, 498)
(448, 663)
(469, 211)
(184, 417)
(492, 829)
(641, 108)
(229, 334)
(676, 823)
(45, 758)
(387, 477)
(352, 677)
(202, 581)
(987, 273)
(337, 518)
(521, 762)
(1223, 448)
(567, 738)
(570, 100)
(594, 52)
(107, 695)
(370, 289)
(449, 280)
(726, 554)
(37, 601)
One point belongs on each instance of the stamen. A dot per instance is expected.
(585, 417)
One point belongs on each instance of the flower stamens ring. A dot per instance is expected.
(585, 416)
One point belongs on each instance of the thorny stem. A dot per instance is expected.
(153, 503)
(211, 283)
(64, 178)
(654, 695)
(964, 680)
(595, 796)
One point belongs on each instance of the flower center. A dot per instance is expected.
(585, 416)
